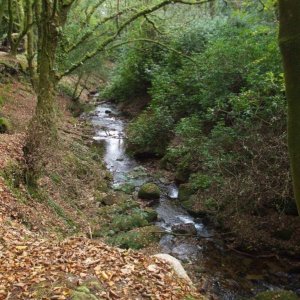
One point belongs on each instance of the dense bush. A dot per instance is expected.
(220, 116)
(131, 77)
(150, 133)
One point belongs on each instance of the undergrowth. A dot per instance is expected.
(218, 120)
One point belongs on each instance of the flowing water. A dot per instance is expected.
(228, 275)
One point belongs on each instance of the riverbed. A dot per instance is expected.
(212, 266)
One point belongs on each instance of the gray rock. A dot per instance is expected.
(185, 228)
(185, 252)
(176, 265)
(167, 243)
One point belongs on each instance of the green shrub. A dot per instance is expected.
(219, 118)
(132, 76)
(150, 132)
(127, 222)
(137, 238)
(5, 125)
(200, 181)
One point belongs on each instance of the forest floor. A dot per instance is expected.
(45, 251)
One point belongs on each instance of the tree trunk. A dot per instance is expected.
(212, 9)
(74, 95)
(289, 40)
(10, 23)
(3, 8)
(30, 45)
(20, 14)
(42, 132)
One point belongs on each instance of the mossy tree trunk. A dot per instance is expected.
(3, 8)
(30, 48)
(289, 40)
(42, 133)
(10, 22)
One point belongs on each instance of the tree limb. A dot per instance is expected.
(153, 25)
(153, 42)
(110, 39)
(95, 27)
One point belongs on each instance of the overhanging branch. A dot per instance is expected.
(109, 40)
(162, 45)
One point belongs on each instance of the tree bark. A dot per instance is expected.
(42, 130)
(3, 8)
(30, 45)
(289, 41)
(42, 133)
(10, 22)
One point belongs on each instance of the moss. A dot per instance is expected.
(56, 178)
(88, 290)
(149, 191)
(61, 213)
(211, 204)
(97, 150)
(114, 203)
(13, 177)
(77, 295)
(5, 125)
(124, 217)
(188, 204)
(41, 195)
(278, 295)
(137, 238)
(200, 181)
(150, 214)
(185, 192)
(182, 175)
(127, 222)
(127, 188)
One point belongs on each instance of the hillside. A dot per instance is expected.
(44, 250)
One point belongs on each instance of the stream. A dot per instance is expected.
(224, 273)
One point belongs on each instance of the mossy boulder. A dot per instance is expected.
(185, 192)
(278, 295)
(5, 125)
(150, 215)
(149, 191)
